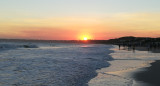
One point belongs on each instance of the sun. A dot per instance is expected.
(85, 38)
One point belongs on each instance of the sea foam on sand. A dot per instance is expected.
(122, 68)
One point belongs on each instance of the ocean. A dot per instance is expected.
(70, 64)
(51, 64)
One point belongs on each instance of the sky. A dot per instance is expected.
(76, 19)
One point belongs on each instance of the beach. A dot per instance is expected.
(150, 74)
(79, 42)
(127, 69)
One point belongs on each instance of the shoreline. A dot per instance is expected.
(118, 73)
(149, 75)
(104, 65)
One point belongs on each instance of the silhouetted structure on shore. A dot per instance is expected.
(131, 42)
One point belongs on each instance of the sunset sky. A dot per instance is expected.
(75, 19)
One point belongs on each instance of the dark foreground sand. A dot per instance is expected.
(150, 75)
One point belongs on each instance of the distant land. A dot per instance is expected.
(122, 40)
(57, 41)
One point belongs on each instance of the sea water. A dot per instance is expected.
(66, 64)
(51, 64)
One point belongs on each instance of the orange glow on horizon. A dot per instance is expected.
(63, 28)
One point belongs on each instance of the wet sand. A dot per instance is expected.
(153, 50)
(150, 75)
(140, 48)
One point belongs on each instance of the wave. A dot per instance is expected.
(14, 46)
